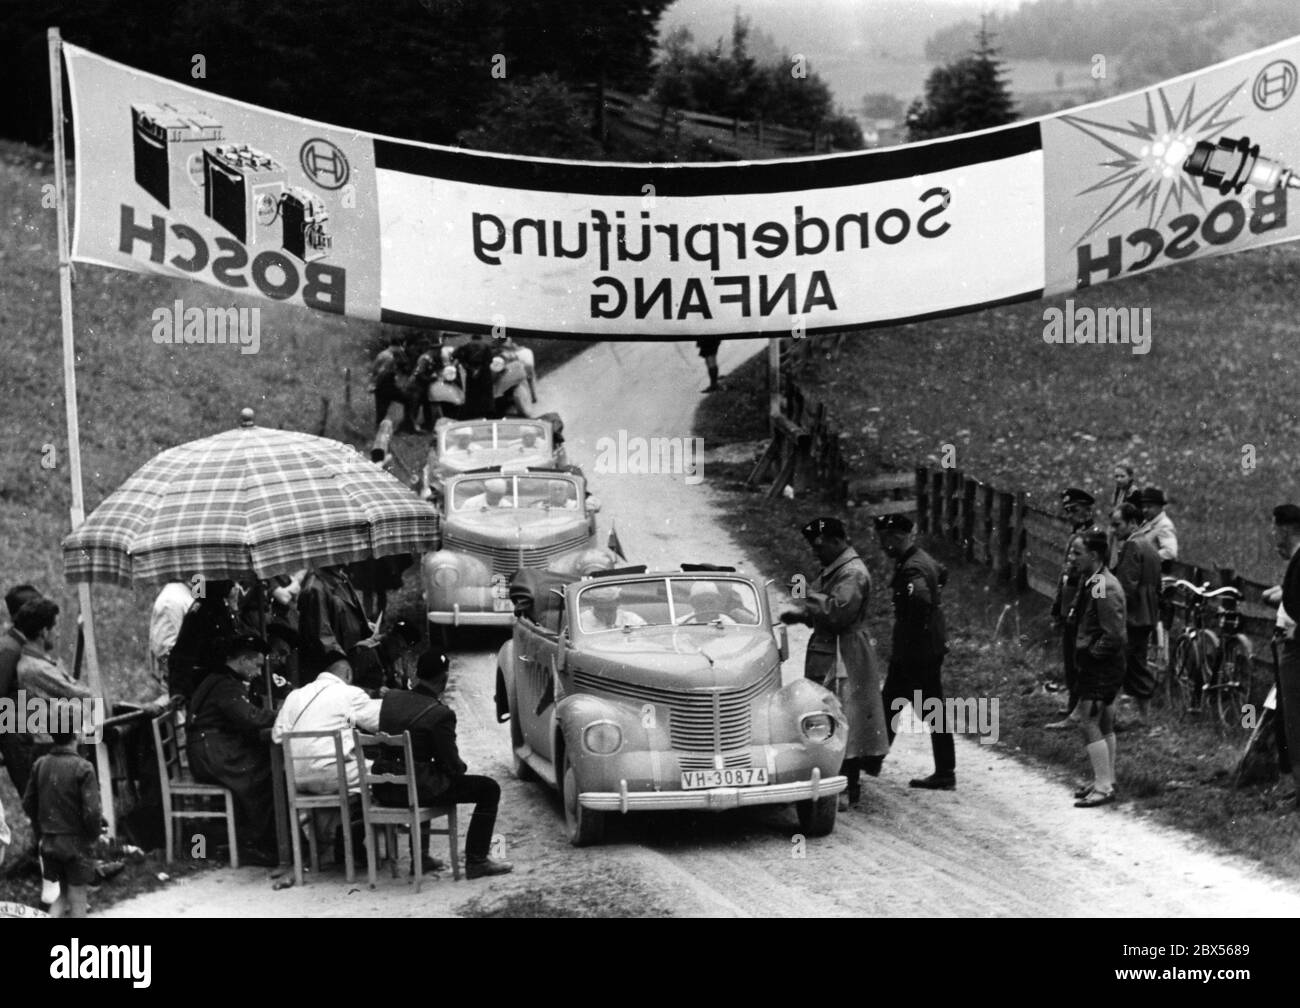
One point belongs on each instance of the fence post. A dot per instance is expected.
(968, 518)
(1019, 571)
(936, 502)
(1002, 525)
(951, 479)
(986, 510)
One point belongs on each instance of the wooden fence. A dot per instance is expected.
(1025, 544)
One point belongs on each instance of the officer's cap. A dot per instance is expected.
(1073, 495)
(819, 527)
(1287, 514)
(894, 523)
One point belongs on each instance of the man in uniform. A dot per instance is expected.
(331, 623)
(1286, 539)
(440, 777)
(840, 654)
(919, 643)
(1077, 507)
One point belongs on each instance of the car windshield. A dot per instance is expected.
(504, 491)
(465, 440)
(667, 602)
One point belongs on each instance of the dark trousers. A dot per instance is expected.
(17, 752)
(1139, 683)
(1288, 695)
(385, 396)
(485, 795)
(904, 679)
(1068, 665)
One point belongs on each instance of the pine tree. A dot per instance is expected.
(966, 95)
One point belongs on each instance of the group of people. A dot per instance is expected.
(431, 378)
(841, 652)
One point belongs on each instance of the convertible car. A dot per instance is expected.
(463, 445)
(632, 691)
(497, 523)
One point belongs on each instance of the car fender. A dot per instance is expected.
(577, 710)
(505, 692)
(470, 570)
(796, 699)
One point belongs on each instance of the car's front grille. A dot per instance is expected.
(699, 721)
(730, 761)
(508, 559)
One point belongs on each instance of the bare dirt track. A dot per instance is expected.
(1008, 843)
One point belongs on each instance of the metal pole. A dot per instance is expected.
(773, 382)
(93, 679)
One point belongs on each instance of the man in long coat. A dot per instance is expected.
(226, 747)
(840, 653)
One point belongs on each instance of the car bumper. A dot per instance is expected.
(713, 799)
(457, 616)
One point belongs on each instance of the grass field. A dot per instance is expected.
(1025, 414)
(136, 398)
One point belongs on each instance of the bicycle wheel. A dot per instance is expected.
(1177, 681)
(1232, 681)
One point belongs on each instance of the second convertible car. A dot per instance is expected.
(634, 691)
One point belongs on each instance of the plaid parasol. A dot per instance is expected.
(251, 501)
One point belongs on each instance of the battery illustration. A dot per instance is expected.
(167, 141)
(304, 219)
(242, 191)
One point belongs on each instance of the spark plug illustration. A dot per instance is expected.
(1231, 165)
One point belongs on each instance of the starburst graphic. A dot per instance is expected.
(1148, 169)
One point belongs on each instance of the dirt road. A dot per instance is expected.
(1009, 842)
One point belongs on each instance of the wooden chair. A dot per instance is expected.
(313, 802)
(179, 788)
(392, 818)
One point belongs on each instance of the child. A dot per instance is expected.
(62, 801)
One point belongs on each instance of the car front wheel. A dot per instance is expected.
(585, 826)
(817, 818)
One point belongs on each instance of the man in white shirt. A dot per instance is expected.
(330, 703)
(1158, 527)
(169, 610)
(495, 495)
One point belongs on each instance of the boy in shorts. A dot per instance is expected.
(62, 801)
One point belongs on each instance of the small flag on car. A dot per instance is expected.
(614, 544)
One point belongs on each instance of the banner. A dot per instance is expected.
(177, 181)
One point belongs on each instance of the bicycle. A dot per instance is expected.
(1208, 669)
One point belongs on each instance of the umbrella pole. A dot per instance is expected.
(266, 665)
(70, 400)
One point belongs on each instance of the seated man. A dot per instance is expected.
(528, 438)
(440, 776)
(559, 495)
(493, 496)
(226, 747)
(461, 440)
(706, 605)
(330, 703)
(599, 610)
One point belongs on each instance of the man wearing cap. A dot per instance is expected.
(599, 610)
(840, 654)
(1138, 571)
(1157, 527)
(1076, 506)
(331, 622)
(226, 747)
(494, 495)
(15, 746)
(440, 777)
(1286, 539)
(919, 643)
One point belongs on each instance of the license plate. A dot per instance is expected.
(694, 780)
(502, 605)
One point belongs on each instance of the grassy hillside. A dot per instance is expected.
(136, 397)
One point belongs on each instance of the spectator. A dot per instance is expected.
(226, 747)
(378, 664)
(331, 623)
(840, 654)
(388, 373)
(1157, 528)
(440, 773)
(428, 365)
(15, 747)
(330, 703)
(1283, 627)
(1286, 539)
(1065, 614)
(62, 801)
(5, 836)
(709, 351)
(168, 613)
(1099, 658)
(201, 643)
(1138, 573)
(40, 673)
(1125, 490)
(476, 358)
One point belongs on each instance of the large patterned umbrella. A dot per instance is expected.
(249, 502)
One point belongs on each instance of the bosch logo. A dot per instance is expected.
(1274, 85)
(325, 164)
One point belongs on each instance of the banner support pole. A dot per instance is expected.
(773, 382)
(87, 616)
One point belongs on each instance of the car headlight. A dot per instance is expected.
(446, 576)
(602, 737)
(817, 727)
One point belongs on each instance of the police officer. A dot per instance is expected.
(919, 644)
(1077, 507)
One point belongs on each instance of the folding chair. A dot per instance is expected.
(313, 802)
(179, 788)
(392, 818)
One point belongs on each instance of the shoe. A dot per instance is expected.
(1095, 799)
(871, 765)
(1057, 725)
(431, 865)
(842, 804)
(479, 869)
(106, 870)
(713, 387)
(1083, 792)
(935, 782)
